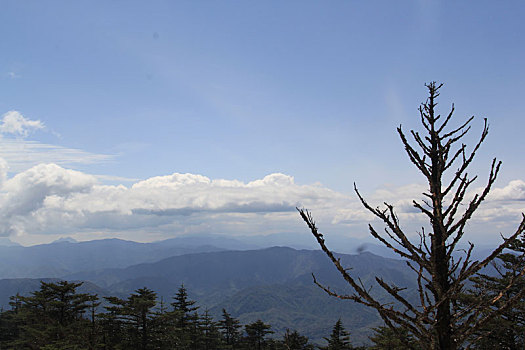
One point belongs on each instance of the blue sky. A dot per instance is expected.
(126, 91)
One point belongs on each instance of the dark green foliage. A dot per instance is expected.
(184, 307)
(507, 329)
(386, 338)
(339, 339)
(295, 341)
(52, 316)
(256, 333)
(211, 336)
(132, 319)
(57, 317)
(285, 299)
(186, 320)
(229, 328)
(164, 324)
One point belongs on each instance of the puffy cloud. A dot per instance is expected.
(27, 192)
(47, 198)
(15, 123)
(514, 191)
(51, 199)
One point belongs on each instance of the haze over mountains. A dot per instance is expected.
(241, 275)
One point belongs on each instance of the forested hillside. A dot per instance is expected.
(273, 284)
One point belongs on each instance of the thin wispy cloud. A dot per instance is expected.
(20, 153)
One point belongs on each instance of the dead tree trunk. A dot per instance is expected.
(437, 321)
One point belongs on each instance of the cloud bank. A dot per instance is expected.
(50, 199)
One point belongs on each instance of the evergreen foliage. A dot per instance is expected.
(386, 338)
(56, 317)
(339, 339)
(507, 329)
(256, 333)
(295, 341)
(53, 316)
(229, 328)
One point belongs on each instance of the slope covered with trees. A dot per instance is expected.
(56, 316)
(273, 284)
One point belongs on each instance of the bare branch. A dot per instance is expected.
(440, 321)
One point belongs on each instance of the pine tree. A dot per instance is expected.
(210, 333)
(140, 305)
(129, 323)
(52, 316)
(385, 338)
(256, 333)
(95, 329)
(186, 320)
(10, 322)
(166, 336)
(339, 338)
(230, 330)
(184, 307)
(295, 341)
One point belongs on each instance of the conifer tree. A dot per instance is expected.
(184, 307)
(52, 316)
(256, 333)
(230, 330)
(210, 332)
(140, 305)
(166, 335)
(385, 338)
(186, 320)
(10, 322)
(295, 341)
(339, 338)
(95, 329)
(131, 321)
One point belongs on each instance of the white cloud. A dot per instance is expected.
(27, 192)
(22, 154)
(16, 124)
(3, 170)
(49, 199)
(514, 191)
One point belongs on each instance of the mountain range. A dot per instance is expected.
(272, 284)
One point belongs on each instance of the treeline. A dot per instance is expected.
(58, 317)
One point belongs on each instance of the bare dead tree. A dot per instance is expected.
(436, 320)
